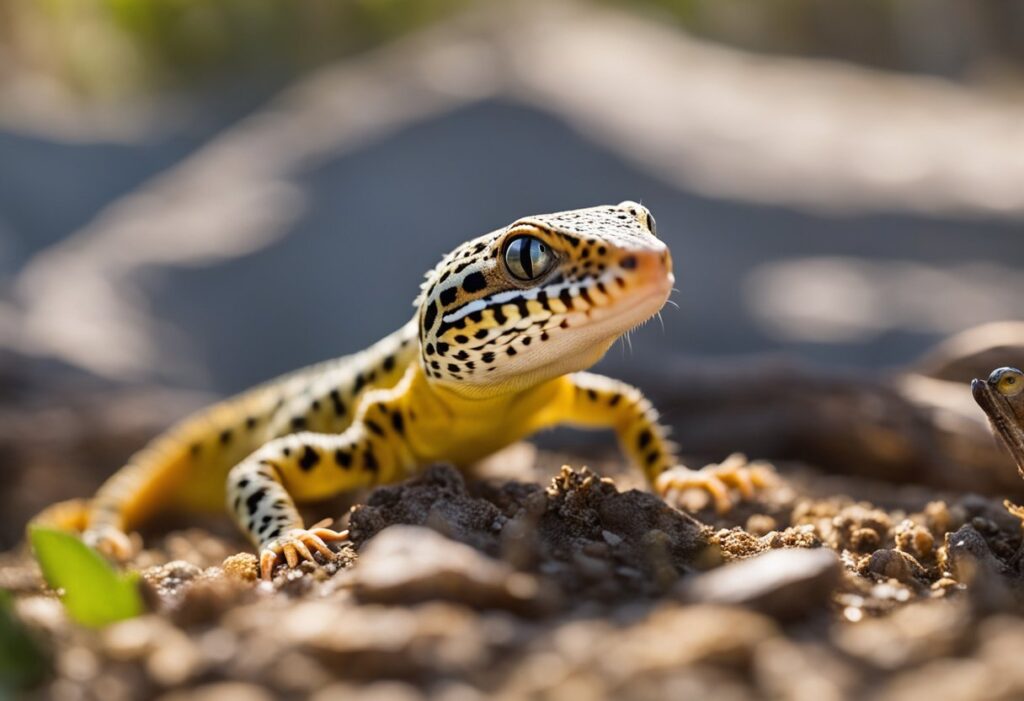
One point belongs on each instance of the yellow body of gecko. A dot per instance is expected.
(505, 326)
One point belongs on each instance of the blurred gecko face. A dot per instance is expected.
(1001, 397)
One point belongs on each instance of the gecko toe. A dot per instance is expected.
(717, 479)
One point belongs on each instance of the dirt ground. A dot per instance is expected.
(531, 580)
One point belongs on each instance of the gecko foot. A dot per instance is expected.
(295, 546)
(110, 542)
(716, 479)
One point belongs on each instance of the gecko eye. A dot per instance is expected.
(1010, 382)
(652, 226)
(527, 258)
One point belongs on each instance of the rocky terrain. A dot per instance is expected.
(531, 580)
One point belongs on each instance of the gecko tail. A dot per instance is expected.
(71, 515)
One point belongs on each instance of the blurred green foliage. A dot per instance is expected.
(941, 37)
(113, 48)
(23, 661)
(110, 48)
(95, 594)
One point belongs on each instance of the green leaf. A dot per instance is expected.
(23, 661)
(95, 594)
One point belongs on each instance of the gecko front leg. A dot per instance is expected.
(594, 400)
(262, 490)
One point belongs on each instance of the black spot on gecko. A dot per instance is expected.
(474, 282)
(339, 406)
(309, 459)
(629, 262)
(374, 427)
(254, 499)
(448, 296)
(592, 394)
(644, 439)
(343, 458)
(250, 423)
(429, 315)
(398, 422)
(389, 363)
(299, 422)
(225, 437)
(370, 462)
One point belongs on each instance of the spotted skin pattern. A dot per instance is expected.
(506, 326)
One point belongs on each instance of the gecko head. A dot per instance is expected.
(542, 297)
(1001, 397)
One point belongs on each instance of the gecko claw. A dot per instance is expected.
(268, 559)
(716, 479)
(295, 546)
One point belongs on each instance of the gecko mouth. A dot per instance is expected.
(632, 309)
(1004, 422)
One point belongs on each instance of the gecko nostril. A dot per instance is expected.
(629, 262)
